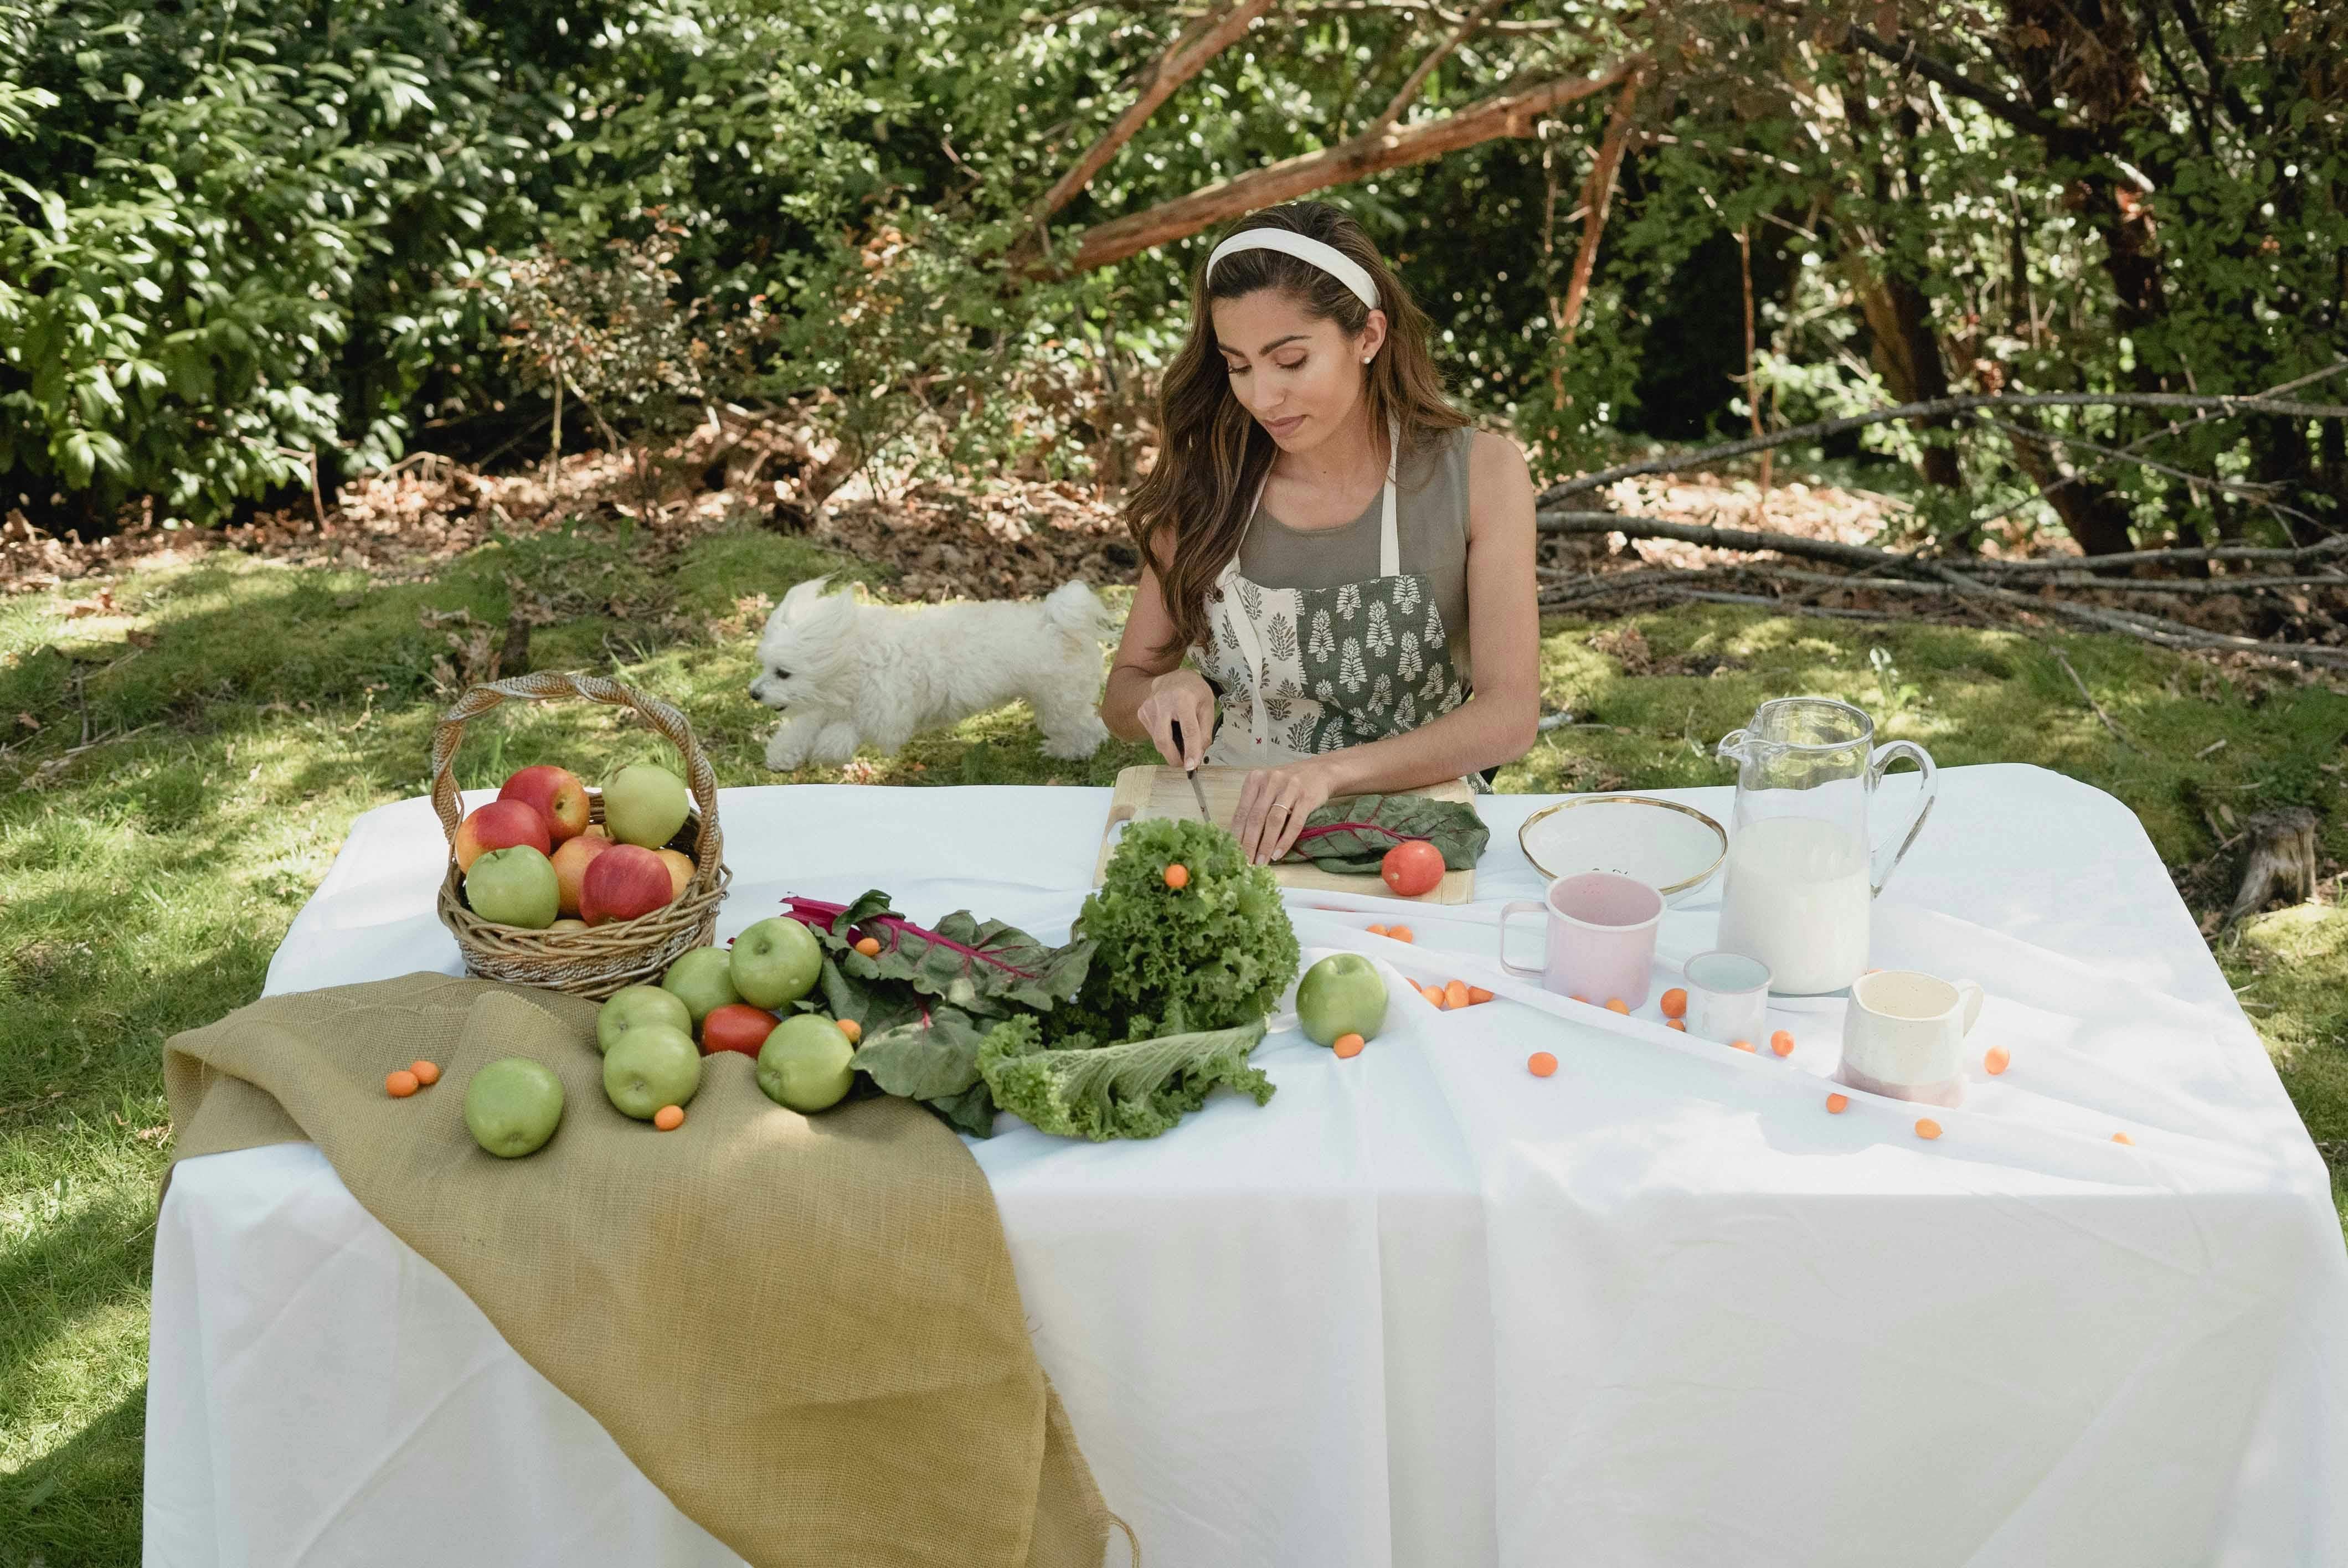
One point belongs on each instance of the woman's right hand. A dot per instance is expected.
(1180, 697)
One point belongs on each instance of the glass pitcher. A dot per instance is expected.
(1802, 866)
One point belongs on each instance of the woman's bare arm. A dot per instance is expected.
(1148, 693)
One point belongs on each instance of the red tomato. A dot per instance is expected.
(736, 1026)
(1412, 868)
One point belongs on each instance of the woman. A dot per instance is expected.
(1347, 564)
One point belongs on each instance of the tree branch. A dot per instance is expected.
(2248, 492)
(1185, 58)
(2151, 628)
(1935, 408)
(1907, 52)
(1503, 114)
(1597, 196)
(2141, 442)
(1868, 558)
(1412, 8)
(1950, 583)
(1637, 528)
(1425, 67)
(2197, 33)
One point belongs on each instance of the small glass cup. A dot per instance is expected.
(1728, 997)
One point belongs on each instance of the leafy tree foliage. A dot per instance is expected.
(235, 235)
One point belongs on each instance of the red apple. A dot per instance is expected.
(559, 796)
(737, 1025)
(622, 883)
(500, 824)
(680, 869)
(571, 865)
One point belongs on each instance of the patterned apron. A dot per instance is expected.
(1319, 669)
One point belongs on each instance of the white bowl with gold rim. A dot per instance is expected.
(1675, 849)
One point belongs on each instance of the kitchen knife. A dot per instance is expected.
(1197, 793)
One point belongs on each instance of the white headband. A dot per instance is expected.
(1303, 247)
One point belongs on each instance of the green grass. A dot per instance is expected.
(255, 709)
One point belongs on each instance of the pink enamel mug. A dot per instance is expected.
(1600, 938)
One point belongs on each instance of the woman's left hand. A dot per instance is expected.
(1273, 804)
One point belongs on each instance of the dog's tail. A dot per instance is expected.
(1076, 613)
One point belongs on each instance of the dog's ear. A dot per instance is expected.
(827, 617)
(802, 598)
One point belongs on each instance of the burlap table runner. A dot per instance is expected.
(803, 1329)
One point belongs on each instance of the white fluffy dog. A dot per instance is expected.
(846, 674)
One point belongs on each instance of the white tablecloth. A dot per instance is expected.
(1425, 1309)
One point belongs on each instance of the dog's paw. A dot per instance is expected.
(785, 750)
(835, 746)
(1077, 743)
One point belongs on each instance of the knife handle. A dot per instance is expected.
(1176, 726)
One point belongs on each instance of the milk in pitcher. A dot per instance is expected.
(1795, 894)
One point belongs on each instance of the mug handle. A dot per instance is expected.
(1517, 906)
(1884, 756)
(1969, 998)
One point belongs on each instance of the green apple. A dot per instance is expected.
(805, 1063)
(1343, 994)
(515, 887)
(645, 804)
(703, 979)
(776, 962)
(512, 1106)
(651, 1067)
(633, 1007)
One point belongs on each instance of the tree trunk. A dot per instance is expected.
(2087, 52)
(1906, 352)
(2093, 514)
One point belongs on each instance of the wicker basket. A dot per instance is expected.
(599, 960)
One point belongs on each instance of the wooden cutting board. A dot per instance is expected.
(1164, 792)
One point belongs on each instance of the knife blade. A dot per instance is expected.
(1197, 793)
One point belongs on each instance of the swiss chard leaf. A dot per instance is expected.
(931, 1057)
(970, 1111)
(911, 1046)
(1137, 1089)
(1351, 835)
(979, 966)
(876, 1006)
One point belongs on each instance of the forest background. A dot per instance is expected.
(248, 243)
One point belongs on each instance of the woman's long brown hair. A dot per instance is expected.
(1187, 516)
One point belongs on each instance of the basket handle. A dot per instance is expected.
(449, 734)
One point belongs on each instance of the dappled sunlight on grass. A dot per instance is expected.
(2287, 967)
(2196, 738)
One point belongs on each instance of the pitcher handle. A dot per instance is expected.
(1731, 748)
(1887, 857)
(1519, 906)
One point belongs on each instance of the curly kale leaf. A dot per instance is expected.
(1213, 954)
(1137, 1089)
